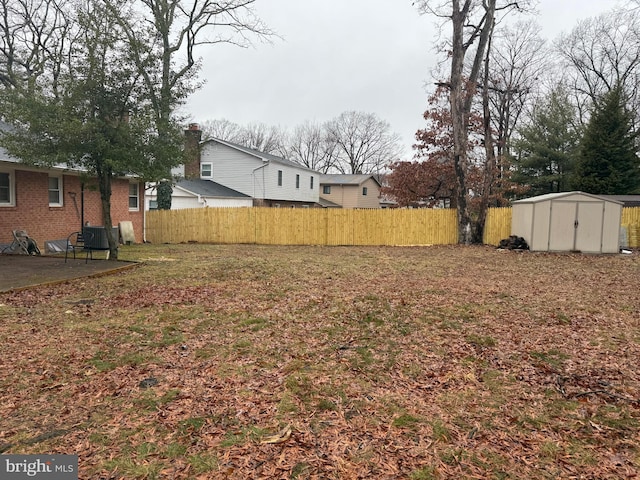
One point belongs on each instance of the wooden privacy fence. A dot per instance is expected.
(296, 226)
(316, 226)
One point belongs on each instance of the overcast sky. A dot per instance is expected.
(373, 56)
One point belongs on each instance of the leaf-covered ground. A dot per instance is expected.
(251, 362)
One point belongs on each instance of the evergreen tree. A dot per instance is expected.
(608, 162)
(547, 145)
(164, 195)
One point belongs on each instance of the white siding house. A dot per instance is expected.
(199, 194)
(262, 178)
(259, 175)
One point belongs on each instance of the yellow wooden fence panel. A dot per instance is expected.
(313, 226)
(497, 225)
(319, 226)
(631, 220)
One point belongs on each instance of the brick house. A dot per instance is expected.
(50, 203)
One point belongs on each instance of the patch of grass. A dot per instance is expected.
(301, 386)
(406, 420)
(424, 473)
(254, 324)
(373, 318)
(300, 470)
(130, 468)
(175, 450)
(440, 432)
(325, 405)
(362, 359)
(240, 437)
(481, 340)
(581, 454)
(151, 401)
(171, 335)
(617, 419)
(243, 346)
(554, 358)
(287, 404)
(452, 456)
(103, 361)
(191, 425)
(203, 463)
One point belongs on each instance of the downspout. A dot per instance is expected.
(253, 174)
(81, 206)
(144, 213)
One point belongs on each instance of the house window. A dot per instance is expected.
(364, 191)
(279, 178)
(55, 191)
(297, 181)
(326, 189)
(311, 183)
(153, 205)
(206, 170)
(134, 196)
(6, 189)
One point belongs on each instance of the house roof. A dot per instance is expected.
(262, 155)
(347, 179)
(627, 200)
(323, 202)
(557, 196)
(6, 157)
(207, 188)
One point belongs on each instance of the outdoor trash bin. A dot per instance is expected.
(99, 240)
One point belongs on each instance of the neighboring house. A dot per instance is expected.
(350, 191)
(627, 200)
(269, 180)
(198, 194)
(50, 203)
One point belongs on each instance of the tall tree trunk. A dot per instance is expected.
(104, 184)
(460, 119)
(461, 99)
(489, 173)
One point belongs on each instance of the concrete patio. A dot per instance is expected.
(18, 272)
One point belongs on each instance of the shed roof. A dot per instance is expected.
(559, 195)
(207, 188)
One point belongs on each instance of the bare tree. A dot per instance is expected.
(518, 59)
(222, 129)
(363, 143)
(32, 34)
(603, 52)
(310, 146)
(180, 27)
(264, 138)
(472, 24)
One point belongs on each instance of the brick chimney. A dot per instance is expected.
(192, 137)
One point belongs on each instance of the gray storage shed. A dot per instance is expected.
(568, 221)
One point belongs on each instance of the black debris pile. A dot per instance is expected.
(514, 243)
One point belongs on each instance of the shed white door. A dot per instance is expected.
(562, 226)
(576, 226)
(590, 218)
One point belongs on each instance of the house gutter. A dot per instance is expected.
(253, 174)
